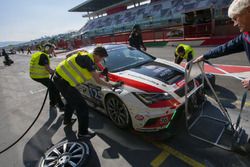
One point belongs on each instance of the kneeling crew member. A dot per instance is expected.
(40, 71)
(183, 51)
(73, 71)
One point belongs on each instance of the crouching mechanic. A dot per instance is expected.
(71, 72)
(40, 71)
(183, 51)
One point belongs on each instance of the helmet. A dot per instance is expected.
(100, 51)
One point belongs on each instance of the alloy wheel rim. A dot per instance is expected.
(117, 111)
(69, 154)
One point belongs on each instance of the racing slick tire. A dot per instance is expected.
(118, 112)
(66, 154)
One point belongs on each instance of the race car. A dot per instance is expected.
(151, 93)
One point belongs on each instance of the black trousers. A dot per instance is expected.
(54, 94)
(74, 101)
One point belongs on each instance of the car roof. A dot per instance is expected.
(91, 48)
(106, 46)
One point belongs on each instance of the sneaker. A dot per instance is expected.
(70, 122)
(88, 135)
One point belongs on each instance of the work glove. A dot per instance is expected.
(117, 85)
(105, 72)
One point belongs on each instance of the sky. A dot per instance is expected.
(25, 20)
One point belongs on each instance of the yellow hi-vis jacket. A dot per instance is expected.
(37, 71)
(70, 71)
(187, 49)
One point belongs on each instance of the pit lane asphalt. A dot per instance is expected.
(21, 99)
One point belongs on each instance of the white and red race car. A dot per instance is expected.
(152, 91)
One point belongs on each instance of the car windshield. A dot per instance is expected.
(124, 58)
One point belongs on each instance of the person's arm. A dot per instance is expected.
(131, 40)
(141, 42)
(233, 46)
(176, 57)
(246, 83)
(190, 56)
(97, 79)
(86, 62)
(50, 70)
(144, 47)
(54, 53)
(44, 61)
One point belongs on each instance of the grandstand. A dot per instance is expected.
(160, 20)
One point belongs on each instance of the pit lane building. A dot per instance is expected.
(160, 20)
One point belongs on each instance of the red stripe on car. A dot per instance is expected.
(136, 84)
(132, 83)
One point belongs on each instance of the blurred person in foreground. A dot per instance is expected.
(135, 38)
(40, 71)
(72, 72)
(239, 12)
(7, 60)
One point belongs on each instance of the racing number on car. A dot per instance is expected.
(94, 92)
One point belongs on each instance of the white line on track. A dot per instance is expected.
(37, 91)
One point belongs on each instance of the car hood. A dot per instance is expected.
(159, 71)
(153, 74)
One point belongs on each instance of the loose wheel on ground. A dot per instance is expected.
(65, 154)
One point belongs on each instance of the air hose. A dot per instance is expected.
(27, 130)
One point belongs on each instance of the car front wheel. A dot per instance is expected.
(118, 112)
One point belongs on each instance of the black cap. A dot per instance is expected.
(137, 27)
(100, 51)
(180, 49)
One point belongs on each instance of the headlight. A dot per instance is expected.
(150, 98)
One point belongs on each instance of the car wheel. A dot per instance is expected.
(65, 154)
(118, 112)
